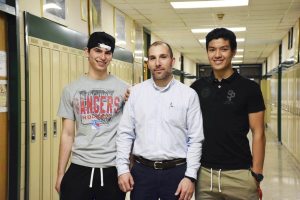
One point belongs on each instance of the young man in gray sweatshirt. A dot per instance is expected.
(93, 105)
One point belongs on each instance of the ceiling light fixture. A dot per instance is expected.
(209, 4)
(238, 56)
(240, 50)
(236, 61)
(206, 30)
(51, 5)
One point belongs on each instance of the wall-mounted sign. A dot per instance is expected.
(3, 96)
(120, 28)
(55, 10)
(3, 64)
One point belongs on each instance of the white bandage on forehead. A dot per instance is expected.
(104, 46)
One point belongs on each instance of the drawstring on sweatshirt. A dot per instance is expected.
(211, 180)
(101, 177)
(92, 177)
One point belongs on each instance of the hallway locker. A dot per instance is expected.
(46, 115)
(86, 65)
(55, 121)
(73, 67)
(118, 69)
(80, 66)
(64, 71)
(112, 68)
(35, 174)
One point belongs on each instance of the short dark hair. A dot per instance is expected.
(157, 43)
(101, 38)
(222, 33)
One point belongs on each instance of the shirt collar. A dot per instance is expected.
(231, 78)
(162, 89)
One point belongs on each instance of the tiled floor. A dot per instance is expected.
(281, 171)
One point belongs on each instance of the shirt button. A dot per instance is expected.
(219, 86)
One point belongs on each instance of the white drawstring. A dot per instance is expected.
(101, 177)
(92, 177)
(219, 179)
(211, 179)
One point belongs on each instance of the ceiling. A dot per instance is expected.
(267, 22)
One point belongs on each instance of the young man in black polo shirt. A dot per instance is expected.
(231, 104)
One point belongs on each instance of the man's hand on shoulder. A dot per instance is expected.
(127, 94)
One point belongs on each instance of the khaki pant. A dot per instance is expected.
(226, 185)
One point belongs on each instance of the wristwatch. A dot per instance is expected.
(258, 177)
(191, 179)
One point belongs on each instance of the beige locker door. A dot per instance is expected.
(86, 65)
(55, 121)
(130, 74)
(46, 108)
(35, 188)
(121, 71)
(3, 116)
(113, 68)
(80, 66)
(73, 67)
(64, 69)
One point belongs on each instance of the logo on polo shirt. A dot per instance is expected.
(205, 92)
(230, 96)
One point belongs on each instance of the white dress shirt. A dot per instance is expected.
(161, 124)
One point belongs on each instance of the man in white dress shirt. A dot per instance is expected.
(162, 127)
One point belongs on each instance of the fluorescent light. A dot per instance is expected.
(121, 42)
(240, 50)
(201, 30)
(236, 61)
(237, 39)
(209, 4)
(238, 56)
(206, 30)
(138, 52)
(51, 5)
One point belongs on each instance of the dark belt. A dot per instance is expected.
(163, 164)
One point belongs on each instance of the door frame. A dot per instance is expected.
(11, 10)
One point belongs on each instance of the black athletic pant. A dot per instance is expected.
(76, 183)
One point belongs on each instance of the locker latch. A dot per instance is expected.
(54, 128)
(45, 134)
(33, 133)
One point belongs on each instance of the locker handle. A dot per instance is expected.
(54, 128)
(45, 134)
(33, 133)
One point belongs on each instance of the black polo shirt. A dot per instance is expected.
(225, 107)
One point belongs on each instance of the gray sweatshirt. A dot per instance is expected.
(96, 105)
